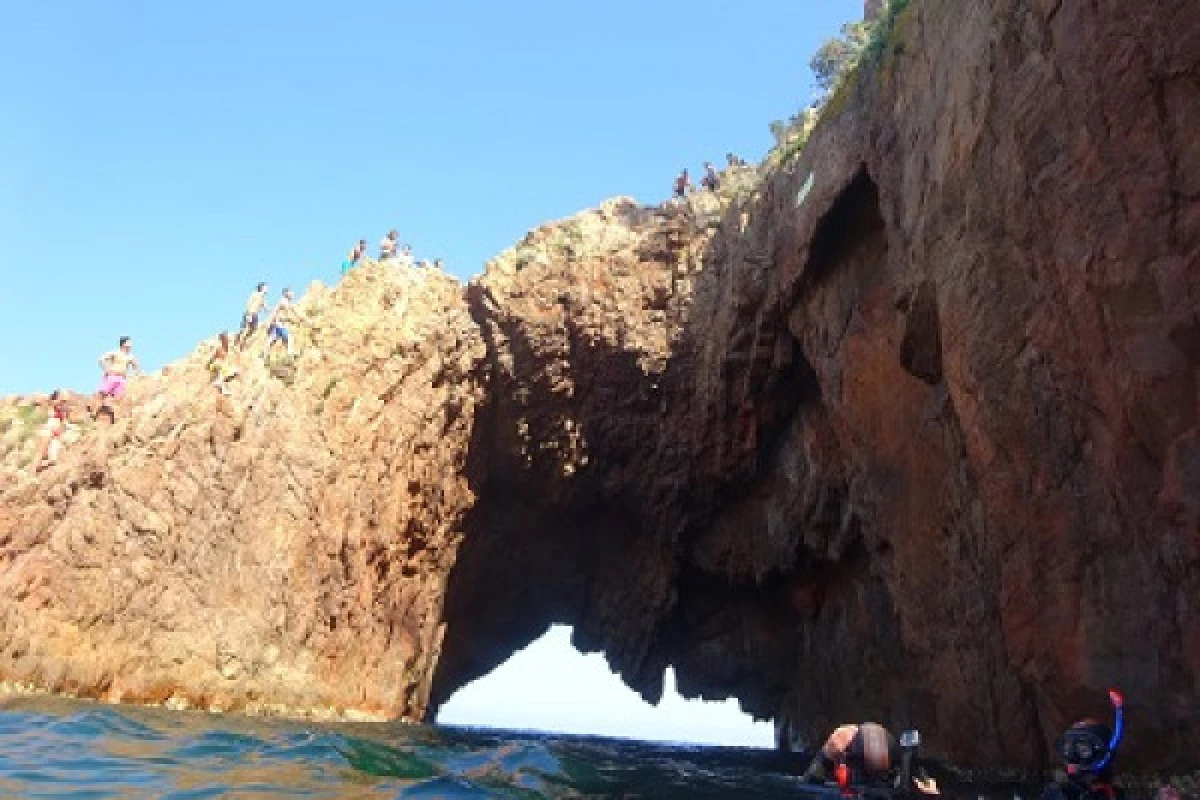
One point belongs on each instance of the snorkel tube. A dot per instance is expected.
(1118, 703)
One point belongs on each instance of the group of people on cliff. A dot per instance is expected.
(222, 364)
(711, 179)
(390, 250)
(117, 366)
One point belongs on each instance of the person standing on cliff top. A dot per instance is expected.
(254, 307)
(277, 323)
(682, 184)
(116, 365)
(406, 257)
(388, 245)
(711, 180)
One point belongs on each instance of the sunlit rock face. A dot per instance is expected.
(903, 429)
(279, 549)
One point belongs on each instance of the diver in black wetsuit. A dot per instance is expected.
(867, 756)
(1087, 749)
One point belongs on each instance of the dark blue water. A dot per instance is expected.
(53, 748)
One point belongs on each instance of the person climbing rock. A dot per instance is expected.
(281, 316)
(51, 437)
(220, 364)
(388, 245)
(356, 255)
(867, 755)
(116, 365)
(711, 180)
(1088, 749)
(682, 184)
(254, 307)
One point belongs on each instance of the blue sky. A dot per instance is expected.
(157, 159)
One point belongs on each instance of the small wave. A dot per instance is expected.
(60, 749)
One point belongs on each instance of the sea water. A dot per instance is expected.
(51, 748)
(55, 748)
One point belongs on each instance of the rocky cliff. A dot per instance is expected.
(285, 547)
(902, 428)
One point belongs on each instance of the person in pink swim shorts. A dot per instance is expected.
(117, 365)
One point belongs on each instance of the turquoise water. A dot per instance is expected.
(53, 748)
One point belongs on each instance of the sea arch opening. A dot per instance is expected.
(551, 686)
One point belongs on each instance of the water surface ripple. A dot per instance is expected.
(52, 748)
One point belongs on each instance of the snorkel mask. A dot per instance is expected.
(1088, 746)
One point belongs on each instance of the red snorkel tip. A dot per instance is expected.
(1115, 698)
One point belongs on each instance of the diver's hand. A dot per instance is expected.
(926, 784)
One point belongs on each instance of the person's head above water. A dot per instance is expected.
(1088, 746)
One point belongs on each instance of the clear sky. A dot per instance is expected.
(159, 158)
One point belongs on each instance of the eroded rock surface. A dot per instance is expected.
(904, 430)
(285, 547)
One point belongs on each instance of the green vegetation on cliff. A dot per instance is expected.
(860, 42)
(836, 68)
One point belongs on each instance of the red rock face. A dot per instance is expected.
(279, 550)
(904, 431)
(924, 441)
(990, 294)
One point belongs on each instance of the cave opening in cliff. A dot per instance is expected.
(853, 222)
(551, 686)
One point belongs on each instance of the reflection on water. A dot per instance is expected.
(53, 748)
